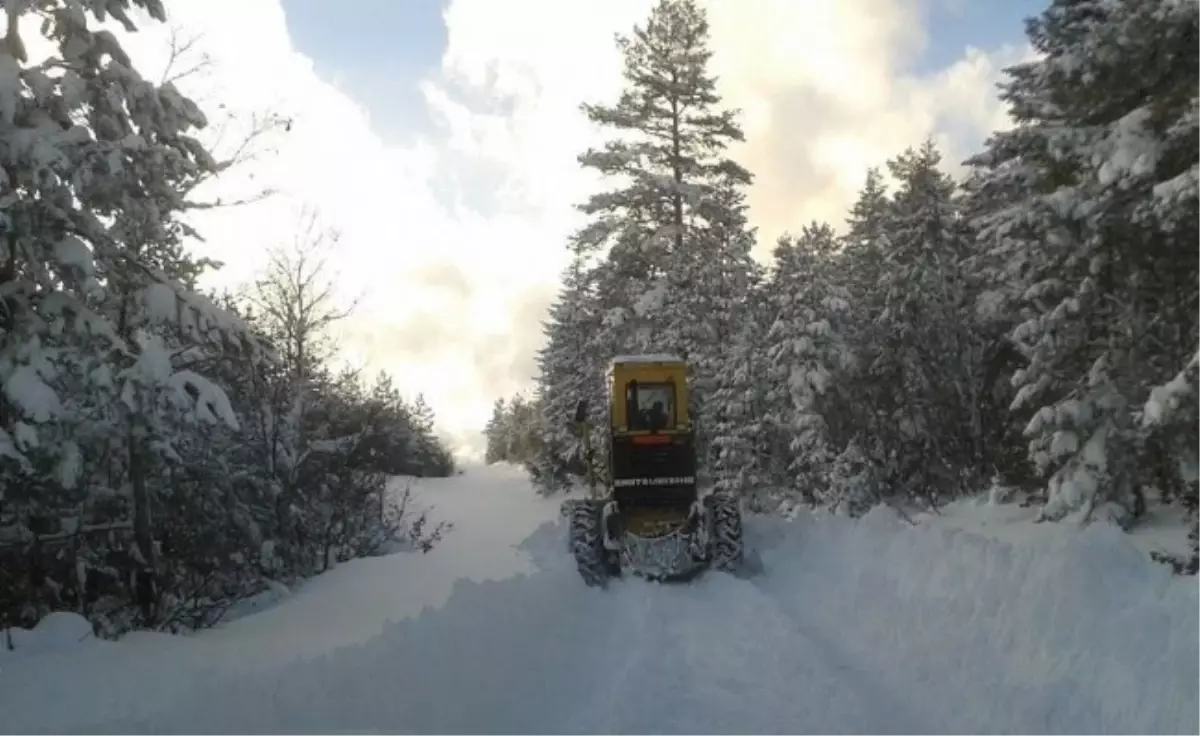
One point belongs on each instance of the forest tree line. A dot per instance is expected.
(166, 451)
(1032, 323)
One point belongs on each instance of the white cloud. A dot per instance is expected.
(456, 242)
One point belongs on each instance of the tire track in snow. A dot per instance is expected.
(620, 661)
(717, 655)
(801, 683)
(945, 656)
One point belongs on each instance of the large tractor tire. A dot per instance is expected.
(567, 510)
(586, 534)
(726, 547)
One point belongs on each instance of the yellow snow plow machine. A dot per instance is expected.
(650, 519)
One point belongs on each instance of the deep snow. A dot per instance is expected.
(868, 626)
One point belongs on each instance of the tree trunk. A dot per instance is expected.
(143, 532)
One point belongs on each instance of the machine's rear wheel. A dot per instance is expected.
(726, 546)
(586, 534)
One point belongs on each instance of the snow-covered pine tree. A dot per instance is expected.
(1098, 185)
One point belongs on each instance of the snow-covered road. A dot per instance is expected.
(869, 627)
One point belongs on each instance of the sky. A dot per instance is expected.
(438, 139)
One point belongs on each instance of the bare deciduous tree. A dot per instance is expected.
(297, 296)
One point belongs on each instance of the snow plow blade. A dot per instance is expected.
(666, 545)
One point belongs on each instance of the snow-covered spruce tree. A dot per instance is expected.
(865, 398)
(928, 350)
(670, 237)
(97, 164)
(1098, 185)
(496, 433)
(994, 280)
(805, 354)
(1170, 418)
(865, 246)
(734, 410)
(432, 457)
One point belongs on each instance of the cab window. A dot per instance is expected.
(650, 406)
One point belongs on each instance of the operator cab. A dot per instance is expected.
(652, 458)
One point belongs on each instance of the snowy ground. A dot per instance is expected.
(870, 626)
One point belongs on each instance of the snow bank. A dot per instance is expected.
(56, 632)
(1072, 632)
(492, 508)
(1163, 528)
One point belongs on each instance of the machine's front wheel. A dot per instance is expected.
(726, 546)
